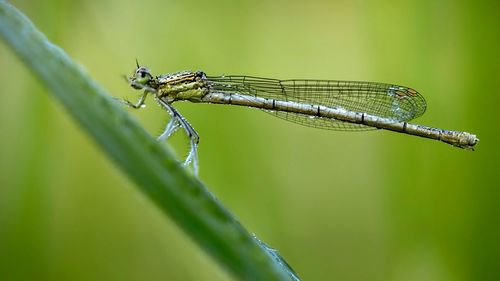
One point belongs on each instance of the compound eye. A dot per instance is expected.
(142, 76)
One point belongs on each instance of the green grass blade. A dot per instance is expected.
(154, 170)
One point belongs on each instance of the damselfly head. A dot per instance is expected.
(141, 77)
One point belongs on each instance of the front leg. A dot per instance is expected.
(139, 103)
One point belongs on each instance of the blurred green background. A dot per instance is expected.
(338, 206)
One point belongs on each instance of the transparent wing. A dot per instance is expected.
(380, 99)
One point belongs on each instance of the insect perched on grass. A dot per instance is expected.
(326, 104)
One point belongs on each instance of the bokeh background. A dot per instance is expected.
(337, 205)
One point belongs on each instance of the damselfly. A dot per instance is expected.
(326, 104)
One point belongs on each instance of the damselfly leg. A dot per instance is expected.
(177, 121)
(137, 105)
